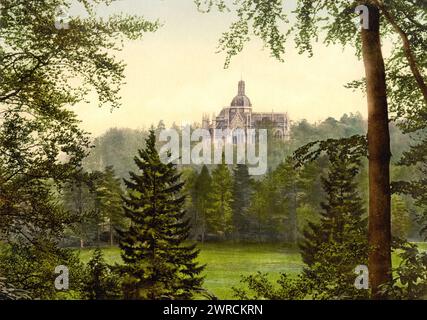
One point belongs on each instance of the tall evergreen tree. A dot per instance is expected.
(219, 212)
(108, 198)
(242, 192)
(342, 213)
(287, 183)
(202, 187)
(101, 283)
(157, 263)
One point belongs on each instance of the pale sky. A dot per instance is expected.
(175, 74)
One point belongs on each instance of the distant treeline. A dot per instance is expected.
(224, 202)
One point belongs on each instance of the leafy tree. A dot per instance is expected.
(8, 292)
(101, 281)
(219, 211)
(32, 269)
(44, 71)
(157, 262)
(79, 200)
(416, 158)
(406, 93)
(241, 195)
(410, 276)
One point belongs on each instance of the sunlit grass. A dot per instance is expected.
(227, 262)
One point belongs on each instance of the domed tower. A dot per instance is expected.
(241, 100)
(240, 110)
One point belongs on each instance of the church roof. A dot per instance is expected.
(241, 100)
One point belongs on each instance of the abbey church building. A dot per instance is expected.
(240, 115)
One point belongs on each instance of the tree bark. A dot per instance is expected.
(379, 156)
(111, 235)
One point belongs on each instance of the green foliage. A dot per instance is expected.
(101, 281)
(32, 269)
(400, 218)
(410, 277)
(260, 287)
(108, 201)
(8, 292)
(334, 245)
(219, 211)
(415, 159)
(94, 200)
(241, 195)
(274, 204)
(342, 211)
(157, 263)
(44, 71)
(78, 199)
(200, 198)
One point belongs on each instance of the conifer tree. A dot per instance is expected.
(242, 191)
(287, 183)
(333, 247)
(202, 187)
(342, 213)
(108, 192)
(157, 263)
(102, 283)
(220, 201)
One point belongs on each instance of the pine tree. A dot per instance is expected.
(157, 263)
(242, 192)
(287, 184)
(202, 187)
(102, 283)
(108, 198)
(343, 210)
(337, 244)
(220, 200)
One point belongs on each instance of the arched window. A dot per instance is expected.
(278, 134)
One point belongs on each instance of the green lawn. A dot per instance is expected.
(225, 263)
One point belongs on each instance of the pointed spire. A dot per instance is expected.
(241, 90)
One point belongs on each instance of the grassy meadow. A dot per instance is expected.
(226, 262)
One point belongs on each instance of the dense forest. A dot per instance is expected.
(225, 203)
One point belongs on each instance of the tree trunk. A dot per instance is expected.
(379, 156)
(111, 235)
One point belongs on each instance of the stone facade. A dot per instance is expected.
(239, 115)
